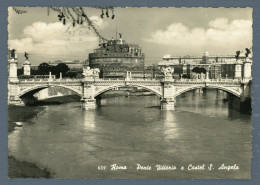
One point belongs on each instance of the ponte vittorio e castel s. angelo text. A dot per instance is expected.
(20, 92)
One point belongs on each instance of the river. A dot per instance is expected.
(127, 131)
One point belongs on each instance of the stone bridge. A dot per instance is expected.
(21, 91)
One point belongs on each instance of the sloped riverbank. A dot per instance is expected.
(23, 169)
(19, 168)
(21, 113)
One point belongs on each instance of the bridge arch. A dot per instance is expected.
(99, 92)
(230, 90)
(37, 88)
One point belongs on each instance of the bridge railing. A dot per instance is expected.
(210, 80)
(123, 79)
(134, 80)
(52, 80)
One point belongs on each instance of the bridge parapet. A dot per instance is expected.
(209, 80)
(47, 80)
(136, 80)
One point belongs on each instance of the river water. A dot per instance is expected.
(127, 131)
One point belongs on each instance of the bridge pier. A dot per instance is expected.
(88, 103)
(98, 101)
(21, 101)
(241, 104)
(15, 100)
(167, 104)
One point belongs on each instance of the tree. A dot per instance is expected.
(20, 72)
(34, 72)
(44, 68)
(199, 70)
(62, 68)
(54, 70)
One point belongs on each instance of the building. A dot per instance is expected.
(115, 57)
(199, 66)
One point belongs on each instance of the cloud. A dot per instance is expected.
(19, 45)
(58, 40)
(98, 22)
(221, 36)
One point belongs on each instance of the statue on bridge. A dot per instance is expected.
(238, 54)
(87, 72)
(248, 51)
(96, 71)
(26, 55)
(13, 53)
(168, 72)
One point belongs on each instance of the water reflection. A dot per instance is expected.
(171, 124)
(89, 119)
(208, 102)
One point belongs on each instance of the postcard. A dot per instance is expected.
(129, 93)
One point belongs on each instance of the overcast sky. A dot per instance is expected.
(159, 31)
